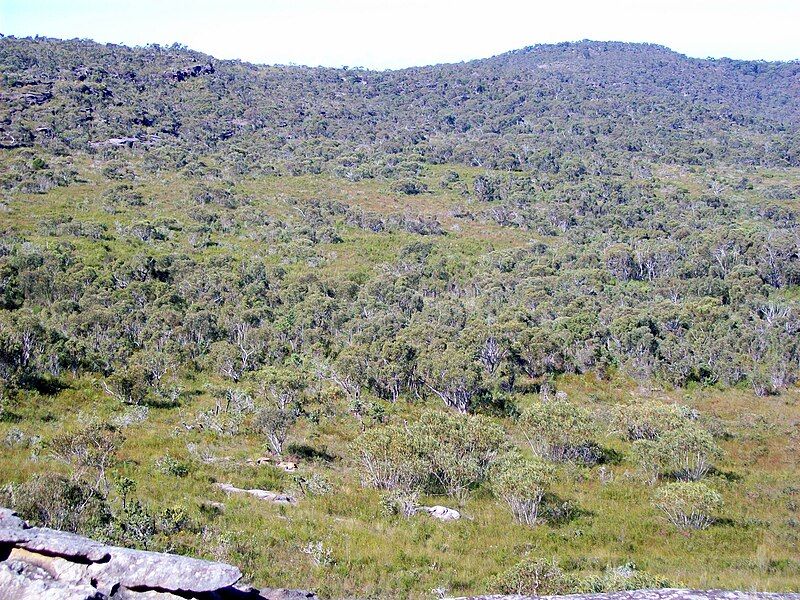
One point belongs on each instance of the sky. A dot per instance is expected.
(383, 34)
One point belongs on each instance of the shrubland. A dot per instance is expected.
(565, 305)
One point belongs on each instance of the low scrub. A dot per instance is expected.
(560, 431)
(440, 452)
(688, 505)
(536, 576)
(522, 484)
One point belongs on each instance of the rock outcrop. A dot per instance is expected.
(260, 494)
(193, 71)
(115, 142)
(37, 562)
(664, 594)
(441, 513)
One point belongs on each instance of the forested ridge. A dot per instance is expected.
(564, 280)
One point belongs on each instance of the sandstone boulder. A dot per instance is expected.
(260, 494)
(8, 518)
(440, 512)
(37, 562)
(21, 581)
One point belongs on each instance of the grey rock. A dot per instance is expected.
(440, 512)
(62, 569)
(55, 542)
(21, 581)
(124, 141)
(37, 562)
(75, 560)
(9, 519)
(170, 572)
(260, 494)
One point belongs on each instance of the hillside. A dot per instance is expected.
(595, 103)
(556, 290)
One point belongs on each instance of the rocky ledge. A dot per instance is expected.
(664, 594)
(47, 564)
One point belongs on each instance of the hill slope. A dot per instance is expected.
(595, 102)
(557, 290)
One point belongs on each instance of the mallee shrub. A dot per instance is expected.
(689, 504)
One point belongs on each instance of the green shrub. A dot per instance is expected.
(134, 526)
(409, 187)
(688, 505)
(90, 451)
(172, 520)
(623, 578)
(685, 453)
(558, 430)
(688, 452)
(315, 484)
(457, 449)
(274, 423)
(522, 485)
(538, 576)
(171, 466)
(400, 502)
(51, 500)
(649, 420)
(535, 577)
(389, 459)
(647, 455)
(441, 452)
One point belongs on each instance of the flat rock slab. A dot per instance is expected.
(663, 594)
(171, 572)
(20, 581)
(111, 565)
(38, 563)
(260, 494)
(9, 519)
(55, 543)
(440, 512)
(67, 558)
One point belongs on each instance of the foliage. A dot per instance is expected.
(559, 430)
(91, 451)
(389, 458)
(535, 577)
(457, 451)
(688, 505)
(668, 441)
(274, 423)
(649, 419)
(448, 453)
(169, 465)
(623, 578)
(314, 484)
(688, 452)
(187, 241)
(522, 485)
(52, 500)
(538, 576)
(400, 502)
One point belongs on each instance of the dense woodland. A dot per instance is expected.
(552, 288)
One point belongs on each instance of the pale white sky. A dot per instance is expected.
(392, 33)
